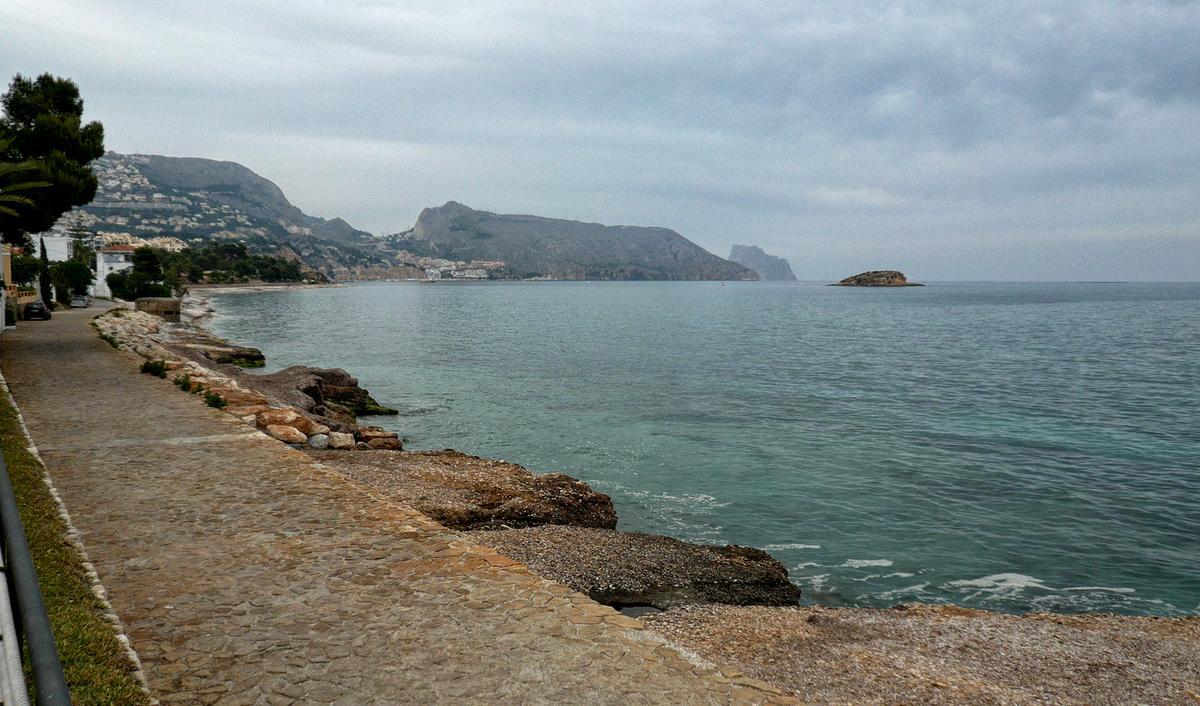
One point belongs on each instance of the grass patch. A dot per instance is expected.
(212, 399)
(184, 382)
(94, 661)
(155, 367)
(106, 337)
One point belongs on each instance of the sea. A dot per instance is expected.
(1006, 446)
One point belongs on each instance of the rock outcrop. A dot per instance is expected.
(289, 405)
(467, 492)
(877, 278)
(631, 569)
(769, 267)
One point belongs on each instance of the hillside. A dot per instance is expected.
(768, 267)
(201, 200)
(532, 246)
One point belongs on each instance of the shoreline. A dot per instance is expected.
(777, 644)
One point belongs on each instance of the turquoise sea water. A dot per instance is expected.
(1007, 446)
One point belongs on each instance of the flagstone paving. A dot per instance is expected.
(246, 573)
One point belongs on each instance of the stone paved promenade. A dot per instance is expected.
(248, 574)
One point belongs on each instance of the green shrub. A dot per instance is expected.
(110, 340)
(155, 367)
(184, 382)
(212, 399)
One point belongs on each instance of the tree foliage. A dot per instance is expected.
(43, 127)
(44, 275)
(25, 269)
(157, 273)
(144, 280)
(230, 262)
(15, 183)
(70, 277)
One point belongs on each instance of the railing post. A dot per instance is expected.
(48, 677)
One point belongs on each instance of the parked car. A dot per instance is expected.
(81, 301)
(37, 310)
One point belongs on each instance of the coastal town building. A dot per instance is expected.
(115, 258)
(59, 248)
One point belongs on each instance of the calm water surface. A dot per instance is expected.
(1007, 446)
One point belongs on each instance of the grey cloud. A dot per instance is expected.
(825, 131)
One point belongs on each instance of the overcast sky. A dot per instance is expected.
(1006, 140)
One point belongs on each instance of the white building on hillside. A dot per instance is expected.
(114, 258)
(59, 248)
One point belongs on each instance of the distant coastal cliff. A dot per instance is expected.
(510, 246)
(770, 268)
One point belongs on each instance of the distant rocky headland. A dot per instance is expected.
(770, 268)
(524, 247)
(877, 278)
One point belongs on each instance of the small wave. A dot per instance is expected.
(1105, 589)
(861, 563)
(906, 592)
(785, 547)
(420, 411)
(1002, 583)
(817, 581)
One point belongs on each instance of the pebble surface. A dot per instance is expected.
(946, 654)
(247, 573)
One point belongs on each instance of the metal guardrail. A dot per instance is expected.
(21, 585)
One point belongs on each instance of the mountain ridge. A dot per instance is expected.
(538, 246)
(196, 200)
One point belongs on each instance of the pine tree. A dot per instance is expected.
(44, 276)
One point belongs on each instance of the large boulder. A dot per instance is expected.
(287, 434)
(338, 440)
(293, 418)
(341, 388)
(631, 569)
(331, 393)
(468, 492)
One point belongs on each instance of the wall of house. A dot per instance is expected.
(58, 247)
(106, 264)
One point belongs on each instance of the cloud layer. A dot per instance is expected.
(1014, 140)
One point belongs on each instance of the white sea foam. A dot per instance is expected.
(906, 592)
(817, 582)
(1001, 583)
(1106, 589)
(785, 547)
(860, 563)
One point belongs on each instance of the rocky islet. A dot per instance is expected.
(877, 278)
